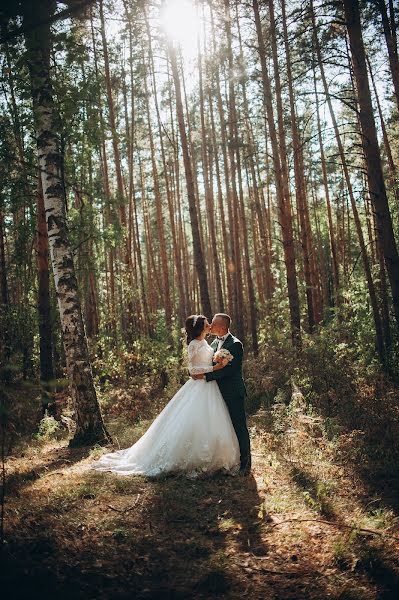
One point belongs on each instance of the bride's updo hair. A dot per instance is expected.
(194, 326)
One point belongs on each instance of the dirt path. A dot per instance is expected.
(285, 532)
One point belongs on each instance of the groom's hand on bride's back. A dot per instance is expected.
(198, 376)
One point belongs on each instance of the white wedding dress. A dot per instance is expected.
(193, 434)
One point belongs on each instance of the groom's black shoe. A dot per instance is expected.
(245, 469)
(244, 472)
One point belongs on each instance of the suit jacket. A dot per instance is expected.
(230, 380)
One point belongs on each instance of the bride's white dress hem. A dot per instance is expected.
(193, 434)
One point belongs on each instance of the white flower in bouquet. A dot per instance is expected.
(222, 354)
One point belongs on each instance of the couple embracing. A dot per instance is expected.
(202, 430)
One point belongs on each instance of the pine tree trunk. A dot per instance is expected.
(222, 215)
(253, 313)
(4, 297)
(392, 170)
(112, 122)
(333, 243)
(193, 159)
(176, 208)
(3, 266)
(160, 221)
(89, 424)
(134, 234)
(227, 243)
(109, 254)
(127, 311)
(264, 265)
(238, 303)
(372, 152)
(284, 208)
(384, 300)
(209, 200)
(300, 188)
(346, 178)
(198, 254)
(390, 41)
(179, 271)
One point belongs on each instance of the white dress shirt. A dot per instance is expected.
(222, 340)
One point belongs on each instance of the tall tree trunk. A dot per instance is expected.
(372, 152)
(300, 187)
(238, 303)
(112, 122)
(222, 214)
(121, 195)
(253, 313)
(333, 243)
(134, 235)
(89, 423)
(347, 179)
(44, 305)
(250, 158)
(226, 219)
(160, 221)
(209, 199)
(390, 38)
(4, 299)
(109, 258)
(3, 266)
(284, 208)
(193, 158)
(176, 213)
(198, 254)
(176, 255)
(392, 169)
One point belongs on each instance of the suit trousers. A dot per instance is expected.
(238, 417)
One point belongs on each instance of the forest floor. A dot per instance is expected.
(305, 524)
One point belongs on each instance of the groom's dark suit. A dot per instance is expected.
(232, 387)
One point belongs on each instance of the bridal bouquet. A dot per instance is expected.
(222, 354)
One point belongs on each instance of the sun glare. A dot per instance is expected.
(181, 24)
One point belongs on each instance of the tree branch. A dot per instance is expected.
(62, 14)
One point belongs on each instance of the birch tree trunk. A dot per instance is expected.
(45, 328)
(89, 424)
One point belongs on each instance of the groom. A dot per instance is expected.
(231, 384)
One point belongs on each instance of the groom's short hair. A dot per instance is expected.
(226, 319)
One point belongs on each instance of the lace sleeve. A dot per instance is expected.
(195, 359)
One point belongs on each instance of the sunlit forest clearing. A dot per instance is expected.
(160, 159)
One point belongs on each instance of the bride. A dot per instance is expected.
(193, 434)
